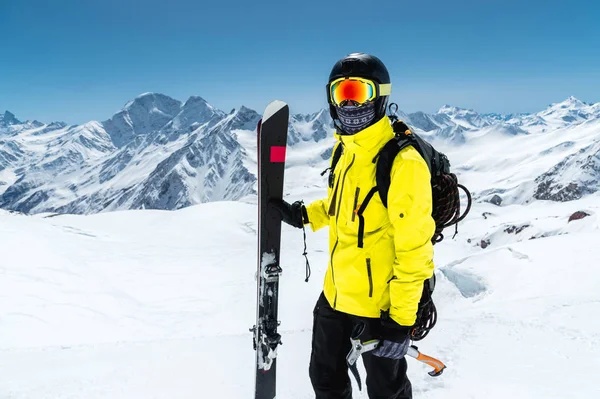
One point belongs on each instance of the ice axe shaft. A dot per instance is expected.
(358, 348)
(438, 366)
(361, 346)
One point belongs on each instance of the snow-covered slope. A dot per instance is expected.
(520, 168)
(38, 160)
(141, 304)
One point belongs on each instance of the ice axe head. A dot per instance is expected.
(438, 366)
(359, 344)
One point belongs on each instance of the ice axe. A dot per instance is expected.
(438, 366)
(359, 347)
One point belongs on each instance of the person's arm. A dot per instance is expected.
(318, 211)
(318, 216)
(409, 210)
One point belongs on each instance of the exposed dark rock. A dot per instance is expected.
(9, 119)
(496, 200)
(484, 243)
(486, 214)
(578, 215)
(512, 229)
(547, 191)
(575, 176)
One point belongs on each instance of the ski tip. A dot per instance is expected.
(272, 108)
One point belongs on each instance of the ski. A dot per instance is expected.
(272, 139)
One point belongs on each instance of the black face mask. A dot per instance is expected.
(354, 119)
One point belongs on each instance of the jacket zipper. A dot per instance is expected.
(331, 211)
(332, 271)
(342, 191)
(336, 224)
(370, 275)
(355, 208)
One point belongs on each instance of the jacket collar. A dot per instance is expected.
(370, 140)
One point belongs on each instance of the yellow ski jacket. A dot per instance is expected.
(382, 264)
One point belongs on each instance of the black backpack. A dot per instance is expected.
(445, 198)
(444, 184)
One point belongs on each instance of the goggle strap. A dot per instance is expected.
(385, 89)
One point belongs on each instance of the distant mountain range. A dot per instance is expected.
(160, 153)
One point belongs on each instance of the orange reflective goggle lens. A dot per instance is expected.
(357, 90)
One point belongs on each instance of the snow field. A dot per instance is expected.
(158, 304)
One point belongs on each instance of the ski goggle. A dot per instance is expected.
(358, 90)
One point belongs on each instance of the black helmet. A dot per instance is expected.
(364, 66)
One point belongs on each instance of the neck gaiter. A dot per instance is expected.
(354, 119)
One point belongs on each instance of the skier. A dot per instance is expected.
(379, 257)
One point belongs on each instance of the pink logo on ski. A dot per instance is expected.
(277, 153)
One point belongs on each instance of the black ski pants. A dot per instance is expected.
(386, 378)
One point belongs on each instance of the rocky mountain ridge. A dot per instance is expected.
(161, 153)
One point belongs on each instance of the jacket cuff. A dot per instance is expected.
(317, 215)
(393, 331)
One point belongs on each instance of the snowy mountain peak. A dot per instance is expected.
(467, 118)
(451, 110)
(194, 113)
(246, 112)
(9, 119)
(323, 115)
(60, 125)
(427, 122)
(243, 118)
(574, 99)
(196, 100)
(154, 102)
(569, 103)
(569, 111)
(148, 113)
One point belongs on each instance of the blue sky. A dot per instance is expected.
(77, 60)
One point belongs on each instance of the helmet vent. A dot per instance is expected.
(348, 65)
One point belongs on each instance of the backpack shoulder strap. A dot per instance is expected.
(335, 157)
(385, 158)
